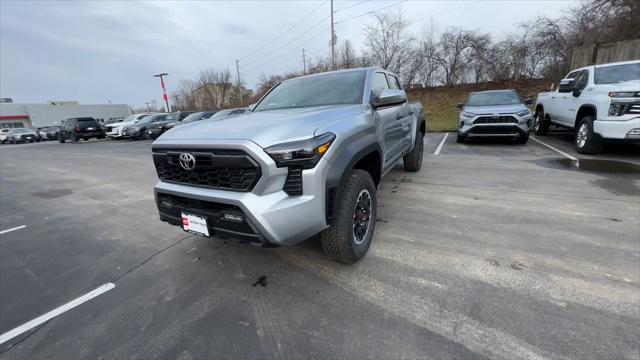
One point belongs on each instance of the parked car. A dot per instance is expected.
(202, 115)
(83, 128)
(114, 130)
(21, 135)
(3, 134)
(157, 128)
(306, 160)
(600, 103)
(494, 113)
(48, 132)
(138, 130)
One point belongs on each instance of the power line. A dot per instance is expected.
(283, 33)
(371, 12)
(290, 41)
(354, 5)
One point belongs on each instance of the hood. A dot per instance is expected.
(265, 128)
(631, 85)
(120, 124)
(495, 109)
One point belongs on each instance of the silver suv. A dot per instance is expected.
(307, 159)
(495, 113)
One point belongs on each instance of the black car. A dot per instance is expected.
(48, 132)
(83, 128)
(21, 135)
(139, 130)
(157, 128)
(202, 115)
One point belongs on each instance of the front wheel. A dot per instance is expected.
(586, 141)
(145, 135)
(540, 124)
(413, 160)
(460, 138)
(349, 237)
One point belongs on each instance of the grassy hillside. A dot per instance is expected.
(440, 102)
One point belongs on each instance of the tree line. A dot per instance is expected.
(538, 49)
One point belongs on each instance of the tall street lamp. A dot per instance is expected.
(167, 107)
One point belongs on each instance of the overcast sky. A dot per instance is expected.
(99, 51)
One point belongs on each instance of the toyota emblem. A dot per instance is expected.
(187, 161)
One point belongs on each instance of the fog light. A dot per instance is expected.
(634, 134)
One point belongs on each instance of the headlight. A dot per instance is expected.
(305, 153)
(524, 113)
(616, 109)
(467, 114)
(621, 94)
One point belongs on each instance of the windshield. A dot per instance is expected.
(220, 114)
(493, 98)
(319, 90)
(192, 117)
(617, 73)
(172, 117)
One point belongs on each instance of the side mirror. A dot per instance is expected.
(390, 97)
(576, 92)
(528, 102)
(460, 105)
(566, 85)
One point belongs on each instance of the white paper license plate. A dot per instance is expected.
(195, 224)
(89, 128)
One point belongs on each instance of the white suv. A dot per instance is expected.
(114, 130)
(598, 102)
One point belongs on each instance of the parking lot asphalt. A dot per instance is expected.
(492, 250)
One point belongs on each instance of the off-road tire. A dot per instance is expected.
(338, 241)
(540, 124)
(592, 144)
(413, 160)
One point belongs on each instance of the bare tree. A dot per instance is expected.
(387, 41)
(346, 55)
(455, 54)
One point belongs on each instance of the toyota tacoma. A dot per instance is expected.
(306, 160)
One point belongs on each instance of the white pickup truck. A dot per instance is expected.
(599, 102)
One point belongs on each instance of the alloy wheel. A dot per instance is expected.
(362, 216)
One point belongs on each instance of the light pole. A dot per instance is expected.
(167, 107)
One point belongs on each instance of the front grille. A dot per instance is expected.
(219, 169)
(502, 119)
(632, 109)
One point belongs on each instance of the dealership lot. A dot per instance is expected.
(492, 250)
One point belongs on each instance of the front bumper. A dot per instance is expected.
(618, 129)
(130, 133)
(269, 216)
(154, 133)
(521, 127)
(114, 132)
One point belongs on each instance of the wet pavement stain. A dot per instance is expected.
(591, 165)
(262, 281)
(52, 194)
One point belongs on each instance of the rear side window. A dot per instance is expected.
(87, 122)
(393, 82)
(379, 84)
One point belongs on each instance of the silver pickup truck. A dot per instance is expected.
(306, 160)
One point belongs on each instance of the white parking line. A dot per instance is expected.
(444, 138)
(554, 149)
(55, 312)
(13, 229)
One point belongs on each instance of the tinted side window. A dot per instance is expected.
(393, 82)
(582, 79)
(379, 84)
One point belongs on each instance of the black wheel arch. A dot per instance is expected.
(362, 154)
(584, 110)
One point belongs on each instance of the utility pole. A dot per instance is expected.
(333, 41)
(304, 63)
(148, 110)
(167, 107)
(238, 75)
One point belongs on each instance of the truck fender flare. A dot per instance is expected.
(581, 110)
(341, 168)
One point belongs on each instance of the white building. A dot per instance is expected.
(52, 112)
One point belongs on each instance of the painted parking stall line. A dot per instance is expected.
(13, 229)
(55, 312)
(444, 138)
(554, 149)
